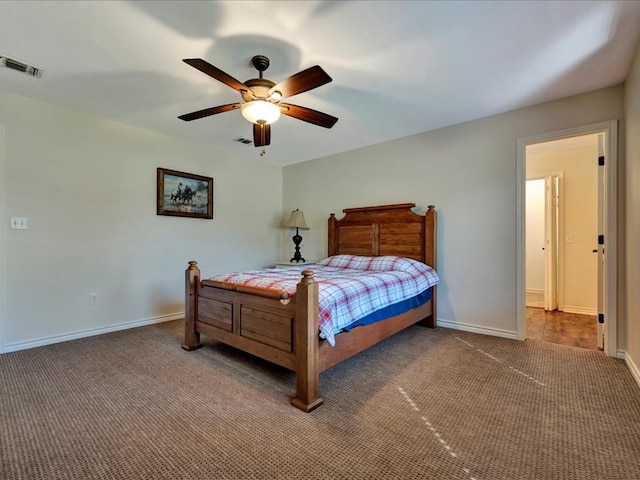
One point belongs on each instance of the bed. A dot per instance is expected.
(283, 328)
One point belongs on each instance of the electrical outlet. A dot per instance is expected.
(93, 298)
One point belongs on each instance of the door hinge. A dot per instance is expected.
(600, 239)
(601, 160)
(601, 318)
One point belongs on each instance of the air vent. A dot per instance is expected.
(19, 66)
(246, 141)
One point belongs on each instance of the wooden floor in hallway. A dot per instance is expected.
(564, 328)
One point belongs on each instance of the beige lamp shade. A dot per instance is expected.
(296, 220)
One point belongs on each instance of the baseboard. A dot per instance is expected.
(496, 332)
(633, 368)
(534, 298)
(580, 310)
(14, 347)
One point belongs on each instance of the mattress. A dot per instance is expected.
(353, 290)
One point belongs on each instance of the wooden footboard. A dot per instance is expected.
(262, 322)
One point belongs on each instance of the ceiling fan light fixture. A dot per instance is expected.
(260, 111)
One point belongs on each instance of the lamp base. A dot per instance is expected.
(297, 257)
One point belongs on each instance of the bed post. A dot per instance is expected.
(332, 247)
(430, 259)
(306, 345)
(192, 282)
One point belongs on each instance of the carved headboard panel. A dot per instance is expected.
(385, 230)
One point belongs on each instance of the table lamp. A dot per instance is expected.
(296, 220)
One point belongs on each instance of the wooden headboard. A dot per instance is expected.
(385, 230)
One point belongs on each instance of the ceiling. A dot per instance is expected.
(398, 68)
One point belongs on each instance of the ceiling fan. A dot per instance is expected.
(262, 103)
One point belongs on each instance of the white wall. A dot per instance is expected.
(580, 198)
(88, 189)
(632, 216)
(469, 172)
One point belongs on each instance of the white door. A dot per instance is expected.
(599, 248)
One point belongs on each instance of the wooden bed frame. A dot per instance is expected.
(284, 331)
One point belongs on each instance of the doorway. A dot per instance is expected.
(561, 270)
(601, 213)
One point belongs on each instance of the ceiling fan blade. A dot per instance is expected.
(301, 82)
(308, 115)
(209, 111)
(261, 134)
(215, 72)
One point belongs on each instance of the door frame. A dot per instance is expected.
(554, 248)
(610, 129)
(600, 334)
(3, 241)
(550, 247)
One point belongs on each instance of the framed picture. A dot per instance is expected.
(184, 194)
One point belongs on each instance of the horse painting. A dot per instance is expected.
(180, 196)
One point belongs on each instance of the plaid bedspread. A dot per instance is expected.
(350, 287)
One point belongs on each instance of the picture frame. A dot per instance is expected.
(182, 194)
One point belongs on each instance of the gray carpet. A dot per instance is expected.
(425, 404)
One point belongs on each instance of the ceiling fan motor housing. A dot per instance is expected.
(259, 89)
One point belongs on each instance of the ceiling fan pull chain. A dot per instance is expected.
(262, 139)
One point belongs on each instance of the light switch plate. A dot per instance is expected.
(19, 223)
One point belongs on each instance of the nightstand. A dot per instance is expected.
(287, 264)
